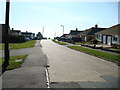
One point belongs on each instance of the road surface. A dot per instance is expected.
(74, 69)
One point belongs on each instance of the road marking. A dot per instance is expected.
(47, 76)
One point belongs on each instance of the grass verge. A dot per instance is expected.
(100, 54)
(26, 44)
(13, 63)
(60, 43)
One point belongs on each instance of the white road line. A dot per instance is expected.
(47, 76)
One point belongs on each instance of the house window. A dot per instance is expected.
(98, 36)
(114, 38)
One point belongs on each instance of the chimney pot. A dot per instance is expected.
(76, 29)
(96, 26)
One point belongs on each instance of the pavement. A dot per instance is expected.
(32, 74)
(74, 69)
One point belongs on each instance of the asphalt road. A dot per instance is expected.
(74, 69)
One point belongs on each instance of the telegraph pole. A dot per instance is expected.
(6, 53)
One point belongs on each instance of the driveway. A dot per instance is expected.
(74, 69)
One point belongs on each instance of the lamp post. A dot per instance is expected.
(6, 62)
(63, 28)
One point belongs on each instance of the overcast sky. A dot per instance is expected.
(32, 16)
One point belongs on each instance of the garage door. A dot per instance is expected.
(104, 39)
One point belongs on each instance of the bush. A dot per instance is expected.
(16, 39)
(95, 41)
(115, 46)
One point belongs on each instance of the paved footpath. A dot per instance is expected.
(32, 73)
(74, 69)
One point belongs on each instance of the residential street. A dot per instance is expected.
(74, 69)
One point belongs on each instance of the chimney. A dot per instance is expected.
(76, 29)
(96, 26)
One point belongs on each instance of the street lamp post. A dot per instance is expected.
(63, 28)
(6, 62)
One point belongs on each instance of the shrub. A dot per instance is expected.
(95, 41)
(16, 38)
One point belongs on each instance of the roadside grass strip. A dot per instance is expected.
(27, 44)
(100, 54)
(60, 43)
(14, 62)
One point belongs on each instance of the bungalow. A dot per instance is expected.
(74, 35)
(110, 35)
(64, 37)
(89, 34)
(29, 35)
(15, 32)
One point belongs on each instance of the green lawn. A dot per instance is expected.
(60, 43)
(104, 55)
(26, 44)
(12, 63)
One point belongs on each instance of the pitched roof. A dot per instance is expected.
(26, 32)
(15, 30)
(64, 35)
(114, 30)
(91, 31)
(74, 32)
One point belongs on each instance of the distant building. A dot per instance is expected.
(39, 35)
(89, 34)
(15, 32)
(65, 36)
(74, 33)
(29, 35)
(110, 35)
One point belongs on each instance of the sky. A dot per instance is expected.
(33, 16)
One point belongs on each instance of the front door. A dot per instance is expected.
(109, 40)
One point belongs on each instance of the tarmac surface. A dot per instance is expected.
(74, 69)
(32, 74)
(68, 69)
